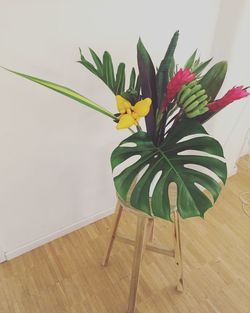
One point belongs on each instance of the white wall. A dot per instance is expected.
(54, 161)
(231, 43)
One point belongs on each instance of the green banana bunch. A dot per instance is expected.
(193, 99)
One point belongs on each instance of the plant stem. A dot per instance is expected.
(139, 129)
(177, 118)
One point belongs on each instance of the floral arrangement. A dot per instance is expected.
(175, 148)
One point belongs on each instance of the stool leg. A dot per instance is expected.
(177, 251)
(139, 247)
(151, 224)
(113, 235)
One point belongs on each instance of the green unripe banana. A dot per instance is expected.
(185, 95)
(195, 89)
(192, 84)
(192, 106)
(197, 104)
(181, 92)
(203, 104)
(200, 93)
(202, 98)
(188, 101)
(197, 112)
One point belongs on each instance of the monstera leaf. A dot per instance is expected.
(135, 183)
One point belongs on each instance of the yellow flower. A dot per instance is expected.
(130, 114)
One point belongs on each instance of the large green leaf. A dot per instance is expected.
(120, 79)
(168, 161)
(108, 71)
(213, 79)
(163, 72)
(148, 85)
(66, 92)
(212, 82)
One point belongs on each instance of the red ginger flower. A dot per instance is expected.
(233, 94)
(181, 78)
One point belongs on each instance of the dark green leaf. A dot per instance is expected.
(120, 79)
(148, 85)
(198, 69)
(97, 61)
(88, 65)
(171, 166)
(171, 69)
(132, 79)
(108, 71)
(138, 85)
(163, 72)
(191, 60)
(131, 95)
(213, 79)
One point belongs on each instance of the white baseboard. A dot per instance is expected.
(232, 171)
(59, 233)
(2, 256)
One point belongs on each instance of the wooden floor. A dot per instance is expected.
(66, 276)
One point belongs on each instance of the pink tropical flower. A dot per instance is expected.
(181, 78)
(233, 94)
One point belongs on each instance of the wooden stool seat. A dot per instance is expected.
(144, 241)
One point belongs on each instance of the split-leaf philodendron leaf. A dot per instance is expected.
(173, 167)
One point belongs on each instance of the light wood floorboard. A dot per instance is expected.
(66, 276)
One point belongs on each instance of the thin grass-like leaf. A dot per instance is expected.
(67, 92)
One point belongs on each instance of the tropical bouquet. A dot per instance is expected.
(174, 148)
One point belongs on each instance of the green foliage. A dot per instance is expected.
(132, 79)
(131, 95)
(148, 85)
(67, 92)
(198, 68)
(213, 79)
(196, 65)
(165, 68)
(171, 71)
(190, 61)
(167, 161)
(120, 79)
(105, 71)
(108, 71)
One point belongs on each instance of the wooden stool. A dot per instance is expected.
(144, 240)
